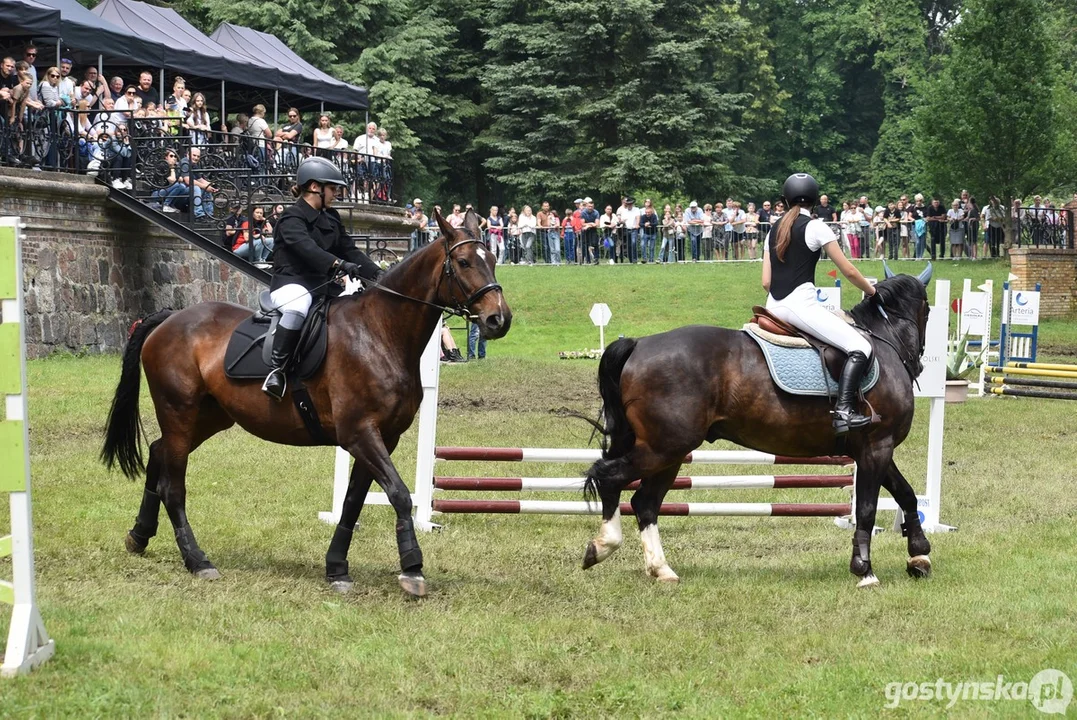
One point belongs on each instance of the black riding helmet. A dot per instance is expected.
(800, 189)
(320, 170)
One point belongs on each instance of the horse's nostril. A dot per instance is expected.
(493, 322)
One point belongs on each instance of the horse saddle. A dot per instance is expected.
(248, 352)
(798, 363)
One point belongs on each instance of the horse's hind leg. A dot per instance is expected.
(608, 478)
(919, 564)
(336, 559)
(183, 430)
(646, 502)
(145, 527)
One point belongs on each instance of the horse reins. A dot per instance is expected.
(459, 309)
(905, 361)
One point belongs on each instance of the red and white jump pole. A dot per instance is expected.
(931, 384)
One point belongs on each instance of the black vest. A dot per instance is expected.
(799, 265)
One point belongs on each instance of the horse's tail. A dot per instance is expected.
(618, 437)
(123, 430)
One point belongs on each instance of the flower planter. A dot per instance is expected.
(957, 391)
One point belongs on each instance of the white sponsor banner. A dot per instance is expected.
(973, 314)
(829, 297)
(932, 381)
(1025, 308)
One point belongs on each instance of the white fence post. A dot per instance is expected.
(932, 382)
(28, 645)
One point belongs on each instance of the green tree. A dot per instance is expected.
(899, 29)
(989, 120)
(822, 54)
(599, 96)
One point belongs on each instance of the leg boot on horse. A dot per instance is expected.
(367, 391)
(724, 390)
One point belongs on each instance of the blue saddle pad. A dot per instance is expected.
(799, 371)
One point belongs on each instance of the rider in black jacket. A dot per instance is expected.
(310, 247)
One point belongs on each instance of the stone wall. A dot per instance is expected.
(1055, 270)
(91, 268)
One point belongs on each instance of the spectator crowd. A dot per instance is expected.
(737, 230)
(37, 114)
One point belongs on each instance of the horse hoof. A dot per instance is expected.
(413, 584)
(133, 545)
(590, 556)
(341, 584)
(868, 581)
(665, 575)
(210, 573)
(918, 566)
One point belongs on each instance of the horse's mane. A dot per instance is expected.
(901, 294)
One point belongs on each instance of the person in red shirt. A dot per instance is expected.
(257, 250)
(569, 232)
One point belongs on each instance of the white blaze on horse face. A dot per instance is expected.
(654, 556)
(609, 537)
(482, 252)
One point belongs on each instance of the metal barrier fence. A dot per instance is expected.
(1038, 226)
(674, 242)
(131, 151)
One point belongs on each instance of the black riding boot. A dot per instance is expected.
(283, 347)
(846, 415)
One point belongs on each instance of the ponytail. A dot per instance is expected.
(784, 231)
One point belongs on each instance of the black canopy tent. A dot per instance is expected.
(25, 18)
(94, 39)
(268, 50)
(185, 49)
(125, 33)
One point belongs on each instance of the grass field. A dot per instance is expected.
(766, 621)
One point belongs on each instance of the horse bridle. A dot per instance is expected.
(454, 280)
(458, 308)
(909, 363)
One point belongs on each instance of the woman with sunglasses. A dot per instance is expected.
(173, 188)
(290, 133)
(49, 94)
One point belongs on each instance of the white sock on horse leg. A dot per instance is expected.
(609, 537)
(654, 556)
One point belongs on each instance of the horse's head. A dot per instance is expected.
(899, 313)
(470, 284)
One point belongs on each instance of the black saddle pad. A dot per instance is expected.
(243, 358)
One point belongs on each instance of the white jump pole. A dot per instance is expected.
(28, 645)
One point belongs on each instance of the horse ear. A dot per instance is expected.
(888, 272)
(446, 228)
(471, 224)
(925, 276)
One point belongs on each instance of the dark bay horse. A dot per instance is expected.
(663, 395)
(366, 393)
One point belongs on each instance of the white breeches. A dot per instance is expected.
(292, 300)
(801, 310)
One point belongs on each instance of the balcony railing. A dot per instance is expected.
(119, 148)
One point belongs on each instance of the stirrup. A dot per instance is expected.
(279, 387)
(845, 421)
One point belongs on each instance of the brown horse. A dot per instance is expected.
(663, 395)
(366, 393)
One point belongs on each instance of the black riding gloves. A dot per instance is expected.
(350, 269)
